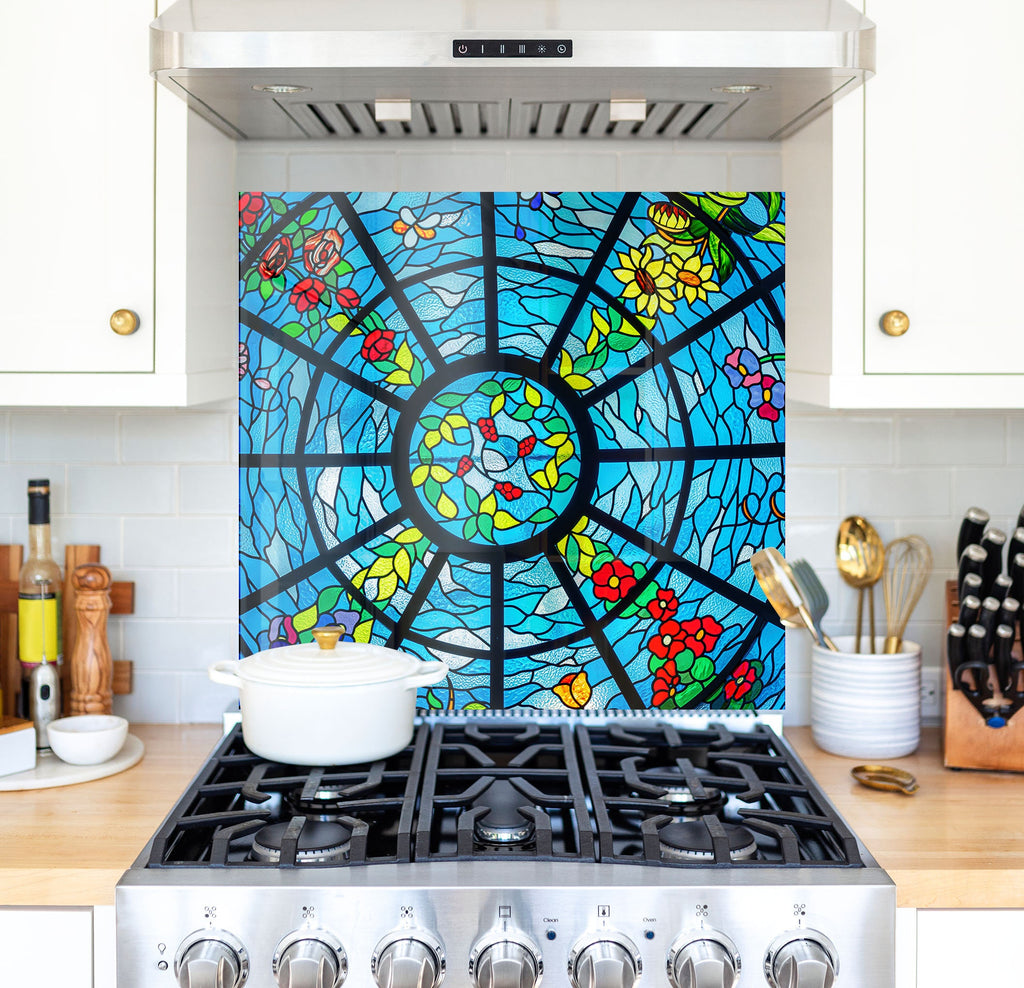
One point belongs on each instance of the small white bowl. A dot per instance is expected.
(88, 739)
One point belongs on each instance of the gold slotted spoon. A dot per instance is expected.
(860, 559)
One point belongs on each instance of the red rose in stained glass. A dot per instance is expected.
(307, 293)
(348, 298)
(275, 258)
(322, 251)
(378, 344)
(613, 580)
(250, 205)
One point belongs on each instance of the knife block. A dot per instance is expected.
(967, 741)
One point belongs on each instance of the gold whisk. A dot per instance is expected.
(908, 564)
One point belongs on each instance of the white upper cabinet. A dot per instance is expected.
(904, 199)
(99, 217)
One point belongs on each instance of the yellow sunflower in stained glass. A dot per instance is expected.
(646, 281)
(692, 279)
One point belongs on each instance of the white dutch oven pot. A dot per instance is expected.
(325, 703)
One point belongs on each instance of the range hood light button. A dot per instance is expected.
(279, 89)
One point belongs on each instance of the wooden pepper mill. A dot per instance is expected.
(92, 670)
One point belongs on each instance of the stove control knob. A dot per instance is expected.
(310, 959)
(707, 960)
(608, 960)
(505, 961)
(409, 959)
(211, 959)
(801, 959)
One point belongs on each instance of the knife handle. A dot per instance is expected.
(1001, 587)
(972, 560)
(1020, 517)
(1004, 645)
(955, 649)
(1009, 612)
(1016, 545)
(970, 608)
(988, 618)
(977, 644)
(1016, 570)
(973, 524)
(993, 542)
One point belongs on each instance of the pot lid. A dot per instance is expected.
(344, 664)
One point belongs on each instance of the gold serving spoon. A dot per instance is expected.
(860, 559)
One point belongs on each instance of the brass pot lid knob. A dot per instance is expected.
(895, 322)
(124, 322)
(327, 637)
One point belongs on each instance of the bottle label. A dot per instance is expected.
(38, 629)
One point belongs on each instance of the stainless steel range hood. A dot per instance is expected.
(340, 69)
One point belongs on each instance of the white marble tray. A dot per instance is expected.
(50, 771)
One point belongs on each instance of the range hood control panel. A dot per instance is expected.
(514, 48)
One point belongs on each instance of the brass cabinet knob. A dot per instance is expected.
(124, 322)
(895, 323)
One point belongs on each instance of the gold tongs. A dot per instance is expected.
(885, 777)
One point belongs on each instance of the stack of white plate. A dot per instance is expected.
(863, 705)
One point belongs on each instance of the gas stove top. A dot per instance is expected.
(636, 792)
(495, 847)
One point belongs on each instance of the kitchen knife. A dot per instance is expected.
(971, 587)
(976, 666)
(1017, 575)
(955, 653)
(1016, 545)
(973, 524)
(970, 608)
(988, 618)
(1001, 659)
(1020, 517)
(972, 560)
(1001, 587)
(993, 542)
(1009, 612)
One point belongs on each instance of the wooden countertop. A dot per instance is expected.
(958, 843)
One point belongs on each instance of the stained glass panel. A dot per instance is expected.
(535, 435)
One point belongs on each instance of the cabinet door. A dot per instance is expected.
(44, 946)
(944, 220)
(969, 947)
(76, 234)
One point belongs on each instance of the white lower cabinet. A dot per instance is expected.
(44, 946)
(969, 947)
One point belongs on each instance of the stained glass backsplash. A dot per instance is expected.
(537, 435)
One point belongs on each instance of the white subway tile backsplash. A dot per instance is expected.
(173, 437)
(1000, 491)
(179, 645)
(203, 701)
(980, 440)
(443, 172)
(839, 440)
(687, 172)
(578, 167)
(179, 541)
(756, 172)
(209, 490)
(896, 493)
(156, 592)
(1015, 439)
(122, 490)
(154, 699)
(210, 593)
(71, 437)
(14, 478)
(364, 172)
(811, 493)
(101, 530)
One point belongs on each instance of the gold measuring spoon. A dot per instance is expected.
(885, 777)
(860, 559)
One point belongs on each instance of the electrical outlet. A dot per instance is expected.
(931, 694)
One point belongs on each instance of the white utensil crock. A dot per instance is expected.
(303, 705)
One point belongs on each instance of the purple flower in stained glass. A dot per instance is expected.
(742, 368)
(768, 397)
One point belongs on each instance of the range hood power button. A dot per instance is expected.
(512, 48)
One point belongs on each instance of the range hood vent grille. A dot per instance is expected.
(354, 119)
